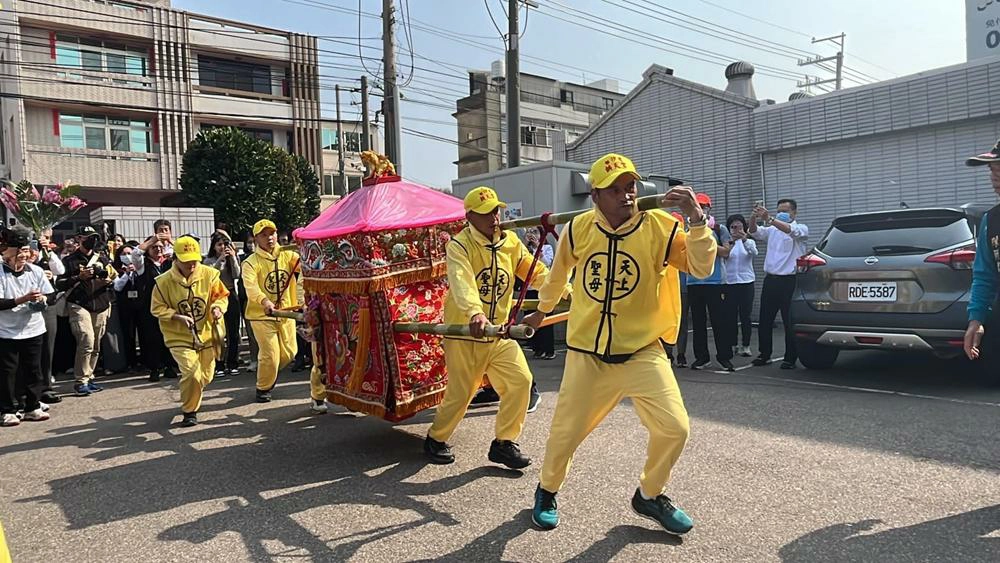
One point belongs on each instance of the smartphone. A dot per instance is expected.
(758, 203)
(34, 245)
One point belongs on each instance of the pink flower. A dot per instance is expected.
(9, 202)
(52, 196)
(76, 203)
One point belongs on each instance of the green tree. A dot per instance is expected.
(245, 179)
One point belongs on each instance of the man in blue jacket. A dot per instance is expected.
(984, 304)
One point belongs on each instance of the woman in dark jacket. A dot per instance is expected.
(222, 257)
(127, 302)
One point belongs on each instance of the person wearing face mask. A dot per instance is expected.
(626, 302)
(786, 242)
(483, 261)
(23, 291)
(271, 281)
(222, 257)
(127, 301)
(189, 300)
(707, 299)
(88, 286)
(739, 288)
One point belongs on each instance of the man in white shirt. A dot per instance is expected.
(786, 242)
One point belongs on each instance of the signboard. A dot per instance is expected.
(514, 210)
(982, 29)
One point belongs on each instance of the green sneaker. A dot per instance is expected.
(545, 515)
(662, 511)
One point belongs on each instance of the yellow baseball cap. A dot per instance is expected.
(186, 249)
(608, 168)
(482, 200)
(263, 224)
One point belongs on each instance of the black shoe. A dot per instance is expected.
(787, 365)
(700, 364)
(549, 356)
(727, 365)
(169, 373)
(190, 419)
(298, 366)
(537, 355)
(533, 400)
(154, 376)
(508, 453)
(485, 396)
(662, 511)
(682, 362)
(760, 361)
(49, 398)
(263, 396)
(438, 452)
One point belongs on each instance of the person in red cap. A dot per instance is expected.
(982, 338)
(705, 295)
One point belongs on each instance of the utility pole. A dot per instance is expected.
(839, 58)
(340, 147)
(513, 83)
(366, 131)
(365, 137)
(390, 103)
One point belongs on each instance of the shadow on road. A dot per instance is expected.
(268, 467)
(959, 538)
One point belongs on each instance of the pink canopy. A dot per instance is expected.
(390, 203)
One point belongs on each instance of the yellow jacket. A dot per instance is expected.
(481, 276)
(266, 276)
(194, 297)
(625, 297)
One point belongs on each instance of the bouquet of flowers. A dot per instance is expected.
(43, 210)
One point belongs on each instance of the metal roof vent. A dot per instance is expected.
(740, 77)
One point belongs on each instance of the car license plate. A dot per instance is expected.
(880, 292)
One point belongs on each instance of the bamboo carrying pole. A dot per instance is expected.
(645, 203)
(518, 332)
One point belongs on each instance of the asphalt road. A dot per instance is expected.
(884, 458)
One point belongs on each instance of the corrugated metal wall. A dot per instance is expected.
(687, 131)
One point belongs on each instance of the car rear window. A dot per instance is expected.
(896, 237)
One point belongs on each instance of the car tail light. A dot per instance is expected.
(957, 259)
(808, 262)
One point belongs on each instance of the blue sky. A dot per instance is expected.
(884, 40)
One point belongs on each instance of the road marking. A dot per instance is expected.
(858, 389)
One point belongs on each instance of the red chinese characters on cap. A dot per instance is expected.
(614, 163)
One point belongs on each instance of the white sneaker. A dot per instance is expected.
(10, 419)
(43, 406)
(36, 415)
(319, 407)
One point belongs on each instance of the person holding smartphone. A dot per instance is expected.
(739, 288)
(222, 257)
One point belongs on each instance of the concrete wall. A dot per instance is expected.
(537, 188)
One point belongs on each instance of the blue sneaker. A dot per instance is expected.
(545, 515)
(662, 511)
(94, 388)
(82, 390)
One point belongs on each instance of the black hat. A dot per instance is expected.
(986, 157)
(86, 231)
(16, 238)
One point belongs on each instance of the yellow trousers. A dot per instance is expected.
(276, 348)
(197, 368)
(591, 388)
(317, 379)
(4, 553)
(467, 362)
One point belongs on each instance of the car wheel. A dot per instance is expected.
(816, 356)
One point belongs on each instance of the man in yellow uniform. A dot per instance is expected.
(482, 262)
(189, 299)
(270, 277)
(626, 300)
